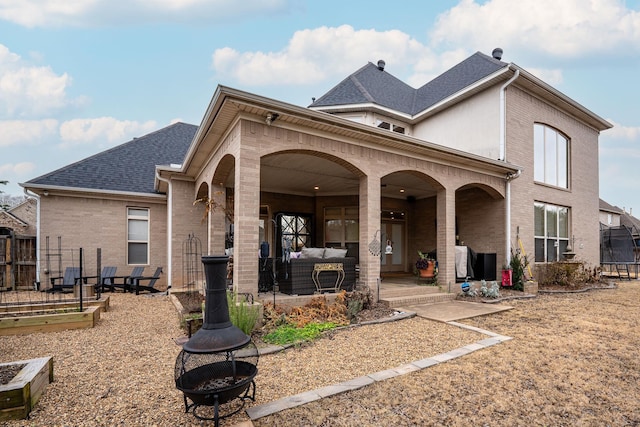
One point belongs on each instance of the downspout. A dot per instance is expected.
(169, 231)
(503, 157)
(35, 196)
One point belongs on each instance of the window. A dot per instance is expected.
(390, 126)
(341, 228)
(551, 156)
(551, 231)
(137, 236)
(295, 230)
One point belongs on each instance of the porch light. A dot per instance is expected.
(271, 117)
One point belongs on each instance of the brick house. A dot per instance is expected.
(482, 155)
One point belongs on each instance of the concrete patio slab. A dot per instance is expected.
(454, 310)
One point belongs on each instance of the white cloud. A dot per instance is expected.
(29, 132)
(318, 54)
(28, 90)
(87, 13)
(17, 169)
(568, 28)
(629, 133)
(105, 130)
(552, 77)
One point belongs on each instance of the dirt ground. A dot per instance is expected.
(573, 360)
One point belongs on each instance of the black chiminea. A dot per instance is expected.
(219, 362)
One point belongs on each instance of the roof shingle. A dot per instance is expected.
(129, 167)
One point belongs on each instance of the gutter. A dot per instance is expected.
(503, 157)
(169, 230)
(31, 194)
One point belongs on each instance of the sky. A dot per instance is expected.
(80, 76)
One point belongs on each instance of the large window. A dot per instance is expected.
(551, 156)
(341, 229)
(137, 236)
(295, 232)
(551, 231)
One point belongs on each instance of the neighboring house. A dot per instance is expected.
(633, 224)
(609, 214)
(18, 228)
(481, 156)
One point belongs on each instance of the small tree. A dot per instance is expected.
(518, 264)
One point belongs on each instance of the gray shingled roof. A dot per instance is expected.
(604, 206)
(129, 167)
(371, 85)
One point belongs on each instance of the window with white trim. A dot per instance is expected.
(382, 124)
(550, 156)
(341, 228)
(551, 231)
(137, 236)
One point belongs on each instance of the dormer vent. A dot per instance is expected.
(497, 53)
(381, 65)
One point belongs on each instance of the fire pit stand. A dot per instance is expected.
(218, 364)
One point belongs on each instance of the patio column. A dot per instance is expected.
(369, 224)
(446, 236)
(246, 218)
(216, 220)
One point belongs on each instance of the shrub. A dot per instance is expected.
(492, 291)
(517, 265)
(569, 274)
(242, 314)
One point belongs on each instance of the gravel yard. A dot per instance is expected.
(573, 360)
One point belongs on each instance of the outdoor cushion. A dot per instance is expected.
(334, 253)
(312, 253)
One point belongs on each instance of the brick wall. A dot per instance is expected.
(92, 223)
(523, 110)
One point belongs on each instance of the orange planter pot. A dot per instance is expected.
(428, 272)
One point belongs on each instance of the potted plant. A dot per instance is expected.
(426, 266)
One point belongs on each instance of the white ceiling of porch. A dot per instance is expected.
(299, 174)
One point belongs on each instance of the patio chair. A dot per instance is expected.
(106, 279)
(66, 282)
(111, 281)
(151, 282)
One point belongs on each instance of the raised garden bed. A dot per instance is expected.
(19, 392)
(49, 317)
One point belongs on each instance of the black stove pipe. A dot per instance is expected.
(217, 333)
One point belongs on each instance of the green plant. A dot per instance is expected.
(289, 334)
(423, 261)
(491, 291)
(517, 265)
(242, 314)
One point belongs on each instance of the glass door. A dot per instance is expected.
(392, 237)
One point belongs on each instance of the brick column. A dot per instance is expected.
(246, 217)
(216, 220)
(446, 236)
(369, 224)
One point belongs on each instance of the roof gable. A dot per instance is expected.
(475, 68)
(371, 84)
(129, 167)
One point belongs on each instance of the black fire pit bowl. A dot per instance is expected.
(217, 383)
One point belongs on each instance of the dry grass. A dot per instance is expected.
(573, 361)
